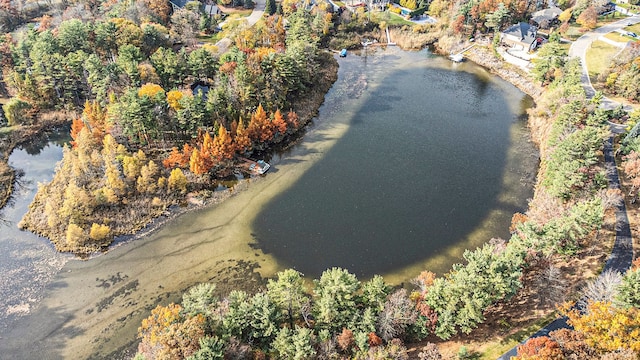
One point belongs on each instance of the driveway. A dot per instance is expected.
(579, 49)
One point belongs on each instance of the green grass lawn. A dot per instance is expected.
(391, 19)
(574, 32)
(618, 37)
(614, 16)
(599, 57)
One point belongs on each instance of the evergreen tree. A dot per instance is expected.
(270, 7)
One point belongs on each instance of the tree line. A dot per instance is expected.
(160, 118)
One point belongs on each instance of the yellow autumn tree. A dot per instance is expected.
(173, 99)
(148, 73)
(99, 232)
(147, 183)
(177, 181)
(151, 90)
(131, 165)
(75, 235)
(606, 327)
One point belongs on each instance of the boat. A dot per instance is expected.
(253, 167)
(343, 53)
(456, 57)
(259, 167)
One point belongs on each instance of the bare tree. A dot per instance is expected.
(551, 286)
(603, 288)
(397, 314)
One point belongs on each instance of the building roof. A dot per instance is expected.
(548, 14)
(523, 31)
(179, 3)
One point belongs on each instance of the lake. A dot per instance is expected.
(411, 160)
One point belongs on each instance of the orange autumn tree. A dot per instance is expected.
(631, 165)
(208, 151)
(292, 120)
(196, 163)
(606, 327)
(95, 117)
(262, 125)
(279, 123)
(241, 141)
(540, 348)
(222, 145)
(76, 126)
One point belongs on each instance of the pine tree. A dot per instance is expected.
(270, 7)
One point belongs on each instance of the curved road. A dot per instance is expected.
(579, 49)
(622, 253)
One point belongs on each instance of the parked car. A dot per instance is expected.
(632, 34)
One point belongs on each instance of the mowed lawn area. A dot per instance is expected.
(598, 57)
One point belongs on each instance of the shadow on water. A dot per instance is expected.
(419, 169)
(58, 136)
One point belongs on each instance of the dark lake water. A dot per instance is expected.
(421, 166)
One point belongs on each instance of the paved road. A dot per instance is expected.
(622, 253)
(579, 49)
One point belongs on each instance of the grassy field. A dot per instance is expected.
(391, 19)
(617, 37)
(599, 57)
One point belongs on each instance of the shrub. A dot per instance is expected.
(16, 112)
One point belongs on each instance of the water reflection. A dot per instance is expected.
(419, 169)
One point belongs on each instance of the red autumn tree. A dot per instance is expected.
(540, 348)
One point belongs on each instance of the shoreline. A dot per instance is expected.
(210, 203)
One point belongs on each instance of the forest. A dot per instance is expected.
(143, 139)
(145, 136)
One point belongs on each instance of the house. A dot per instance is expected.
(546, 18)
(521, 36)
(178, 4)
(201, 88)
(209, 9)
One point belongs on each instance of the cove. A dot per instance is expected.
(424, 163)
(92, 309)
